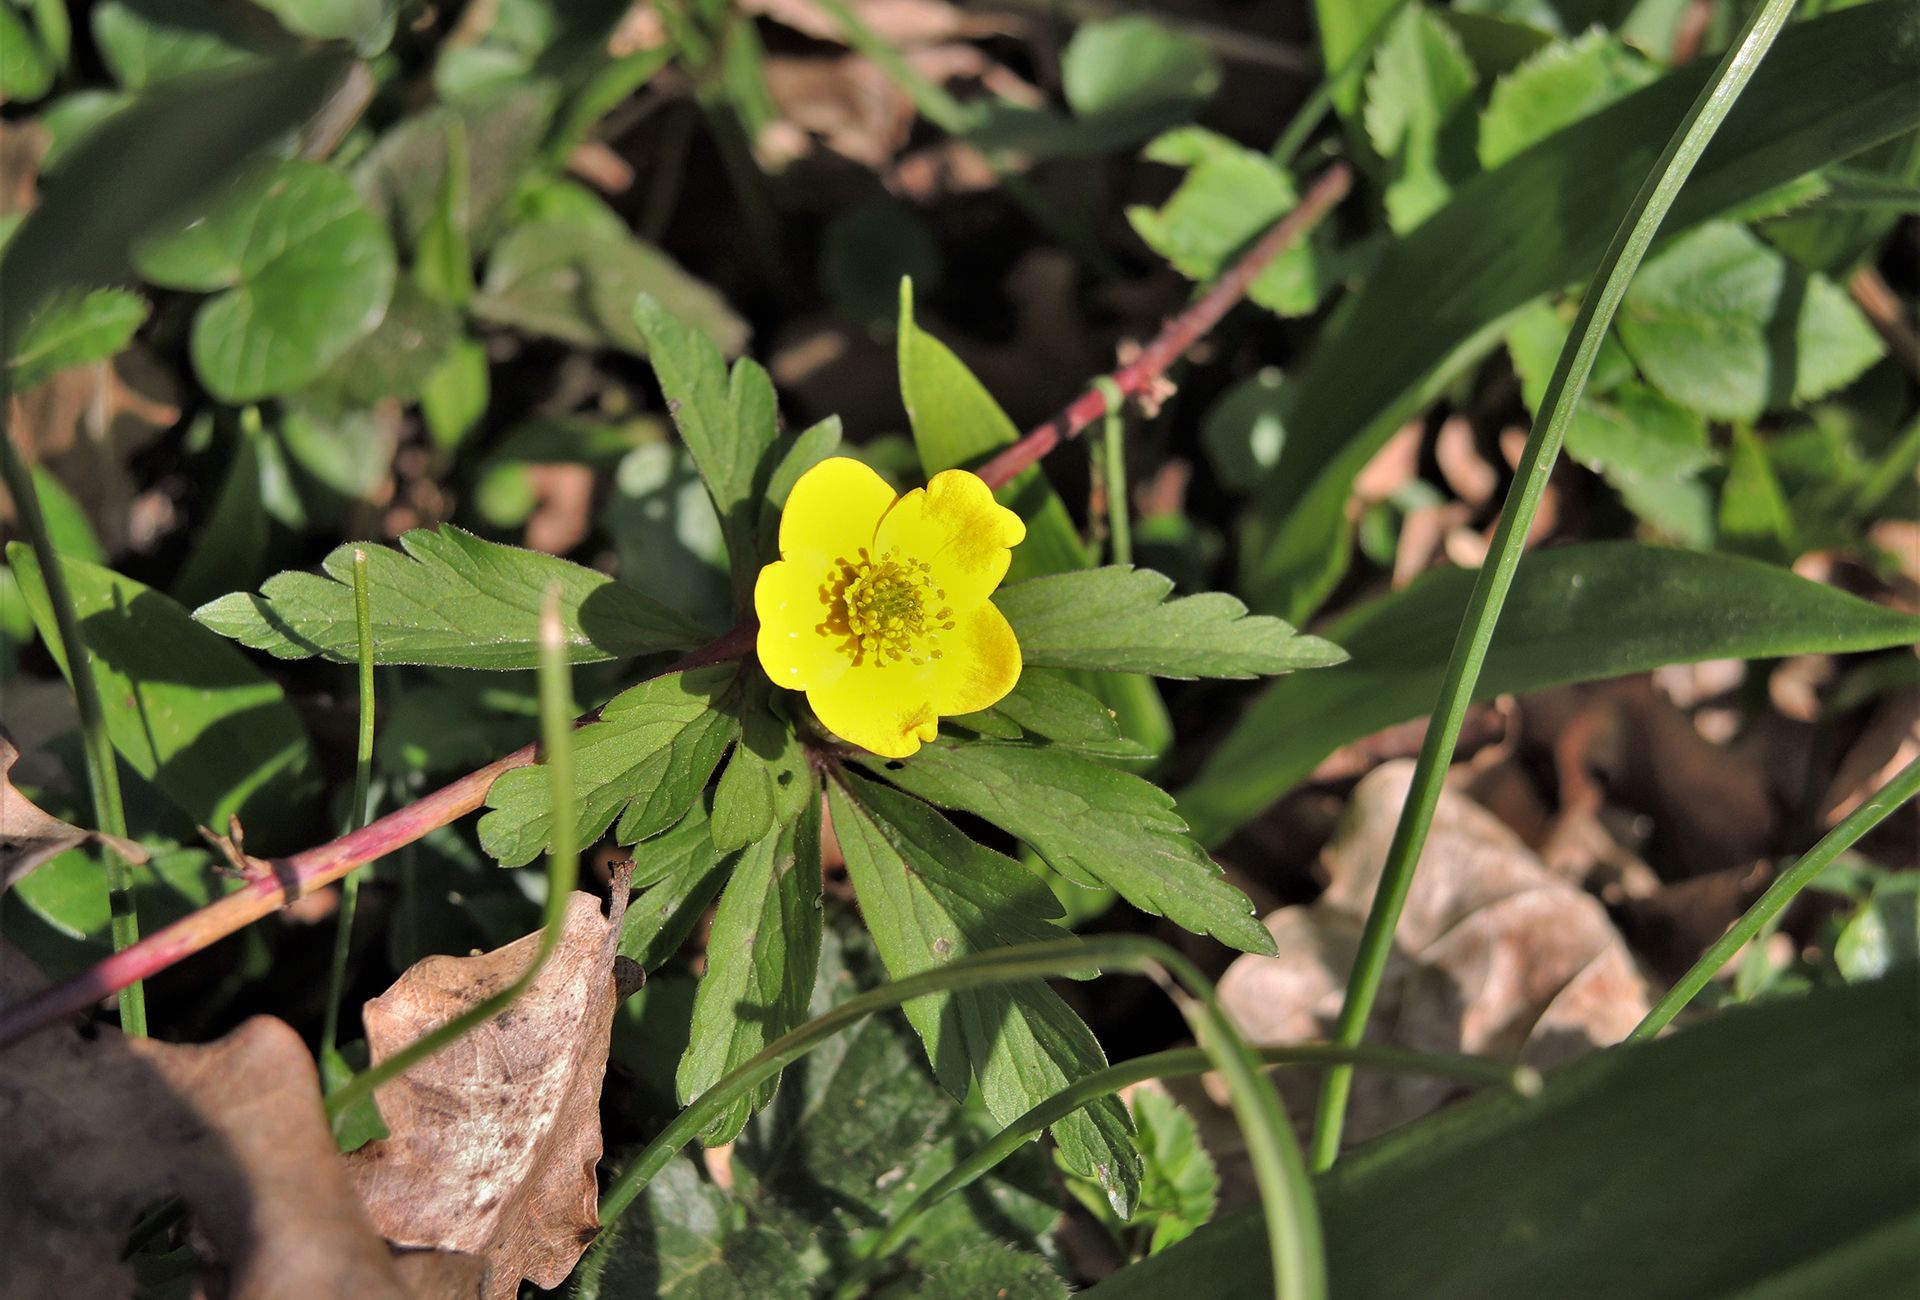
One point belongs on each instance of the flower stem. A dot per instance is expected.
(1113, 463)
(358, 814)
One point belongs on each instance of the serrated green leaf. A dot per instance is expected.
(645, 761)
(450, 599)
(1092, 824)
(1496, 247)
(185, 710)
(1721, 323)
(767, 781)
(695, 1242)
(675, 875)
(1418, 93)
(1555, 88)
(929, 895)
(761, 957)
(1180, 1186)
(1118, 619)
(300, 270)
(73, 329)
(1049, 706)
(1576, 613)
(1229, 197)
(988, 1269)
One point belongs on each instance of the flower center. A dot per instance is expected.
(894, 610)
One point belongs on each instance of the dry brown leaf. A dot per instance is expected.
(29, 835)
(494, 1139)
(98, 1130)
(1494, 956)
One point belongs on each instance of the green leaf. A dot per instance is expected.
(993, 1270)
(1132, 63)
(807, 449)
(729, 424)
(1118, 619)
(451, 599)
(68, 896)
(27, 68)
(367, 23)
(361, 1122)
(1181, 1186)
(1049, 706)
(454, 394)
(1419, 93)
(1651, 450)
(1576, 613)
(1092, 824)
(146, 42)
(1496, 247)
(185, 710)
(1723, 324)
(578, 284)
(767, 781)
(676, 874)
(399, 358)
(1228, 198)
(695, 1242)
(1345, 26)
(300, 268)
(1555, 88)
(1754, 517)
(645, 761)
(1822, 1207)
(73, 329)
(929, 894)
(761, 956)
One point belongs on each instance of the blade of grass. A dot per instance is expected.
(1597, 308)
(362, 811)
(563, 870)
(1113, 461)
(1871, 812)
(103, 772)
(1286, 1194)
(1176, 1064)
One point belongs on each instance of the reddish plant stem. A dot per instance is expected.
(291, 877)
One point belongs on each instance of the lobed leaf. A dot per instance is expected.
(1118, 619)
(1092, 824)
(766, 782)
(450, 599)
(676, 874)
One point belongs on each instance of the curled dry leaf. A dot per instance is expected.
(1494, 956)
(29, 835)
(494, 1139)
(98, 1130)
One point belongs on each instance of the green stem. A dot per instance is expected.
(1894, 467)
(103, 773)
(1286, 1194)
(1597, 308)
(1876, 809)
(1114, 462)
(563, 869)
(1176, 1064)
(361, 812)
(1307, 118)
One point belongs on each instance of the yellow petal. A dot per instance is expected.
(955, 525)
(792, 606)
(834, 509)
(979, 661)
(888, 710)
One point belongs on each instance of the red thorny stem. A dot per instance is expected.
(292, 877)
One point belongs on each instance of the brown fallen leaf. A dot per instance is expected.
(494, 1140)
(99, 1130)
(29, 835)
(1494, 956)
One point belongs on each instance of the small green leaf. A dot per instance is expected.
(145, 43)
(1555, 88)
(451, 599)
(1229, 197)
(645, 761)
(761, 957)
(454, 394)
(185, 709)
(1419, 94)
(27, 68)
(1652, 451)
(1132, 63)
(1118, 619)
(1883, 933)
(1754, 517)
(929, 895)
(1049, 706)
(767, 781)
(676, 874)
(299, 268)
(74, 329)
(361, 1122)
(729, 424)
(1092, 825)
(1723, 324)
(1180, 1186)
(399, 358)
(367, 23)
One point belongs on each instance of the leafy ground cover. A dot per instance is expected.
(1463, 466)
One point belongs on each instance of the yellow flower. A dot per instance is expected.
(878, 605)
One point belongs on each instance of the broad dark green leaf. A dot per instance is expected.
(1537, 224)
(762, 952)
(645, 761)
(767, 781)
(1575, 613)
(451, 599)
(185, 709)
(1118, 619)
(299, 267)
(729, 424)
(1091, 824)
(1047, 705)
(1774, 1151)
(68, 896)
(675, 875)
(73, 329)
(400, 357)
(929, 895)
